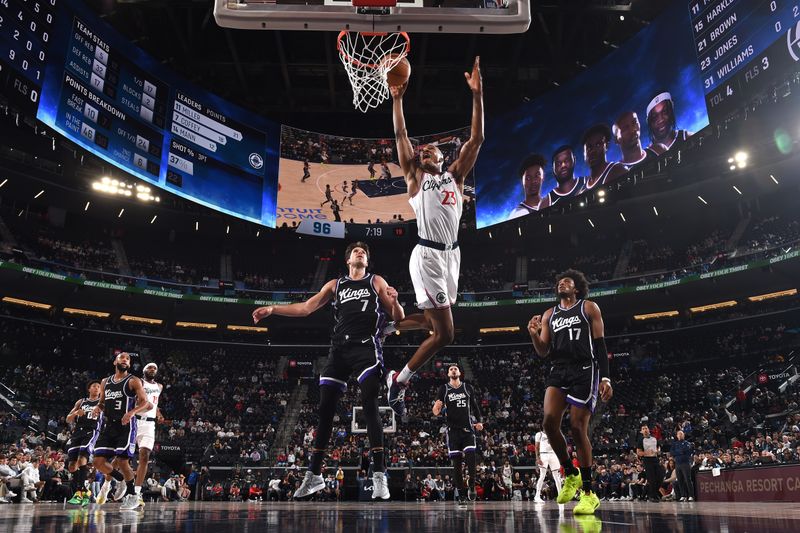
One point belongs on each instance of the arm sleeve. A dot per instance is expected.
(602, 356)
(474, 399)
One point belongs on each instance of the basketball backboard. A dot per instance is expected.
(359, 426)
(413, 16)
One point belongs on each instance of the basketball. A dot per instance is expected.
(400, 73)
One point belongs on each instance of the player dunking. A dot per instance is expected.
(463, 413)
(571, 336)
(121, 399)
(81, 443)
(437, 200)
(146, 427)
(361, 302)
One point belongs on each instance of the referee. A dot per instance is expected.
(647, 448)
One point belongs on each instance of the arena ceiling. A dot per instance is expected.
(296, 77)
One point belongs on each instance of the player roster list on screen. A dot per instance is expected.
(742, 46)
(119, 103)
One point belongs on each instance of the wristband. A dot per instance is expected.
(606, 379)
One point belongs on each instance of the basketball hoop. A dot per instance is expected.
(367, 57)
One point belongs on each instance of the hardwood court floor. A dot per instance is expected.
(396, 517)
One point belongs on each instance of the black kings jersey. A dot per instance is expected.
(357, 311)
(571, 336)
(461, 407)
(119, 398)
(87, 422)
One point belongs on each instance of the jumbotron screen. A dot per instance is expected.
(640, 101)
(327, 177)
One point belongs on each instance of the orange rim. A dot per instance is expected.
(358, 63)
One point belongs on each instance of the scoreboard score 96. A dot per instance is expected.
(743, 46)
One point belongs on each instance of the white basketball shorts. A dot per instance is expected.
(146, 434)
(434, 274)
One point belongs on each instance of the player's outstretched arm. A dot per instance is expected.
(539, 330)
(405, 151)
(462, 166)
(300, 309)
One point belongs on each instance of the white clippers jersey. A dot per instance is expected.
(152, 391)
(544, 444)
(438, 206)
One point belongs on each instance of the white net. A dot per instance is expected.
(366, 59)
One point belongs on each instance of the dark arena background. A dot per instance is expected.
(170, 167)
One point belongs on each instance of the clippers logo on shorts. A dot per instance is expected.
(564, 322)
(441, 297)
(793, 42)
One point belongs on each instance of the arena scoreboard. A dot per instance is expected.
(90, 84)
(25, 34)
(743, 46)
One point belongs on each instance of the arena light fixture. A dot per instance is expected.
(733, 167)
(702, 199)
(141, 319)
(741, 158)
(501, 329)
(258, 233)
(152, 220)
(735, 188)
(519, 230)
(773, 179)
(227, 230)
(248, 329)
(713, 307)
(583, 204)
(86, 312)
(590, 222)
(196, 225)
(602, 200)
(653, 316)
(622, 217)
(120, 212)
(655, 210)
(38, 194)
(601, 193)
(27, 303)
(4, 182)
(771, 295)
(549, 228)
(86, 207)
(196, 325)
